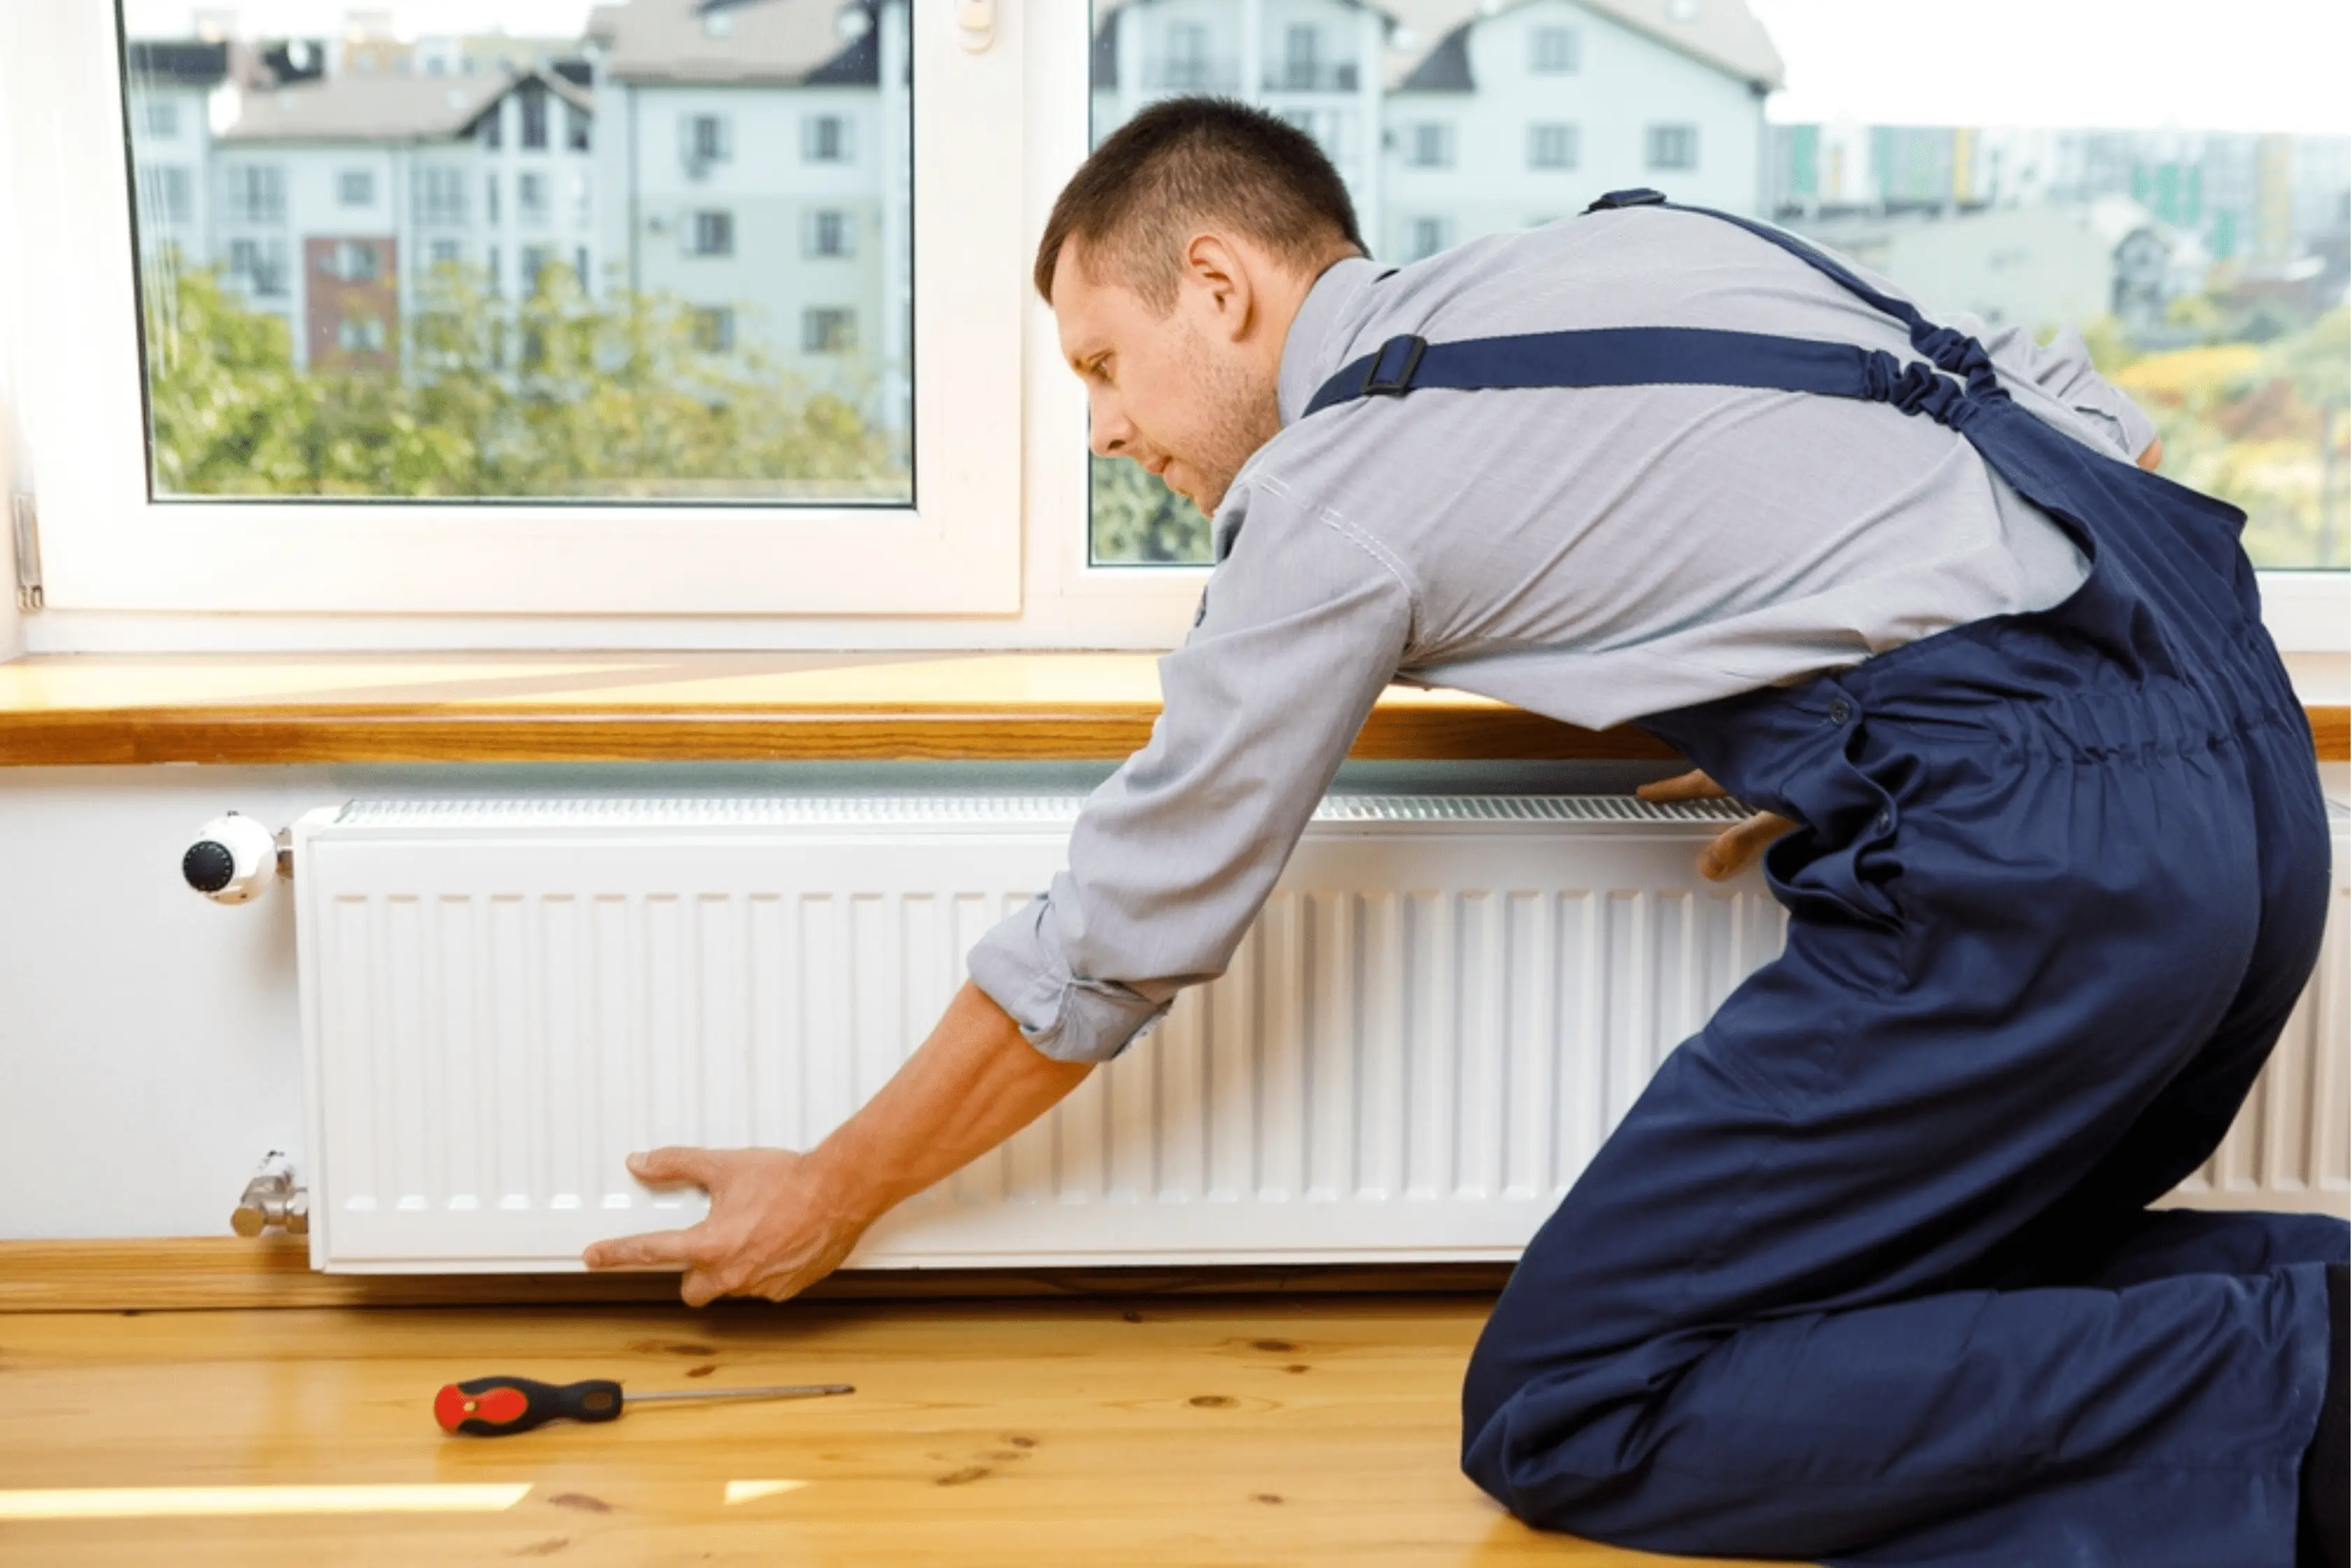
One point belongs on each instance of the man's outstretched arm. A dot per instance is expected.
(779, 1221)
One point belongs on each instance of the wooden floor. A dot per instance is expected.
(1255, 1430)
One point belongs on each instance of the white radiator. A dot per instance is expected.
(1446, 1004)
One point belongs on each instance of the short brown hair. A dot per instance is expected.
(1186, 159)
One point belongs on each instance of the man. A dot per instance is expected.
(1866, 1275)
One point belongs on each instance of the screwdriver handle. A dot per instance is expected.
(496, 1406)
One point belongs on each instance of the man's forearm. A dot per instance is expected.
(970, 1087)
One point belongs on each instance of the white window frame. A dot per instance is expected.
(109, 549)
(1014, 526)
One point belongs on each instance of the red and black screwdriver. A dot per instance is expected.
(498, 1406)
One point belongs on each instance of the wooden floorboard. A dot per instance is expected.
(1152, 1431)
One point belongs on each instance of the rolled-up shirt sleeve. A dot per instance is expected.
(1304, 622)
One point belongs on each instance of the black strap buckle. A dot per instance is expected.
(1640, 196)
(1376, 385)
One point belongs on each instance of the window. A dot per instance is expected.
(1302, 57)
(490, 198)
(492, 131)
(163, 118)
(441, 195)
(497, 277)
(1551, 146)
(257, 266)
(828, 234)
(1430, 147)
(360, 334)
(1428, 237)
(166, 193)
(256, 194)
(825, 139)
(703, 141)
(575, 128)
(446, 253)
(828, 329)
(580, 273)
(349, 260)
(1552, 50)
(711, 234)
(714, 330)
(1673, 147)
(533, 96)
(355, 188)
(536, 258)
(530, 198)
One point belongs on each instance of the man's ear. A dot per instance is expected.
(1221, 272)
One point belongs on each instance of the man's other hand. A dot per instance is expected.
(1736, 847)
(777, 1225)
(2154, 455)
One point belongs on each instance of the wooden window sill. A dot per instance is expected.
(698, 706)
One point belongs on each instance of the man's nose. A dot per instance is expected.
(1109, 435)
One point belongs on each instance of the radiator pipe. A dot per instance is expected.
(271, 1198)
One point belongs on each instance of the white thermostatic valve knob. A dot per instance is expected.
(232, 860)
(976, 22)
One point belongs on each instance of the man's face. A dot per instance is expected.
(1181, 393)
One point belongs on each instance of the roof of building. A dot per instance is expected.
(1724, 33)
(383, 108)
(724, 41)
(176, 62)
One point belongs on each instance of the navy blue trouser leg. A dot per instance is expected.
(1760, 1324)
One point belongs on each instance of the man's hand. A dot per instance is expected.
(1736, 847)
(2154, 455)
(777, 1224)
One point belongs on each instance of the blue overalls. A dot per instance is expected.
(1867, 1274)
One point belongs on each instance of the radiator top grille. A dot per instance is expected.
(981, 810)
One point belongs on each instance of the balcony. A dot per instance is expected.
(1311, 76)
(1196, 75)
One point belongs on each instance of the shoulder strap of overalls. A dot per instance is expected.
(1699, 356)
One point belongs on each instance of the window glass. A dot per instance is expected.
(387, 255)
(2193, 232)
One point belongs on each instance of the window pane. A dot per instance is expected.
(654, 249)
(2207, 271)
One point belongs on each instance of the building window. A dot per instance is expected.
(532, 95)
(575, 127)
(1552, 50)
(258, 266)
(828, 329)
(1428, 238)
(825, 139)
(167, 194)
(1188, 55)
(536, 258)
(711, 234)
(1673, 146)
(530, 198)
(353, 260)
(1302, 57)
(498, 284)
(441, 195)
(579, 266)
(490, 198)
(714, 330)
(828, 234)
(1431, 146)
(492, 129)
(163, 117)
(704, 140)
(1551, 146)
(446, 253)
(360, 334)
(355, 188)
(256, 194)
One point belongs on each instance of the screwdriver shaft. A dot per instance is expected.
(803, 1391)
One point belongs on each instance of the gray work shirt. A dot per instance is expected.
(1592, 554)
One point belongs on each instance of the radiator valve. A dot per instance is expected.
(234, 859)
(271, 1198)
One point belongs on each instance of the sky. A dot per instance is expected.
(2219, 64)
